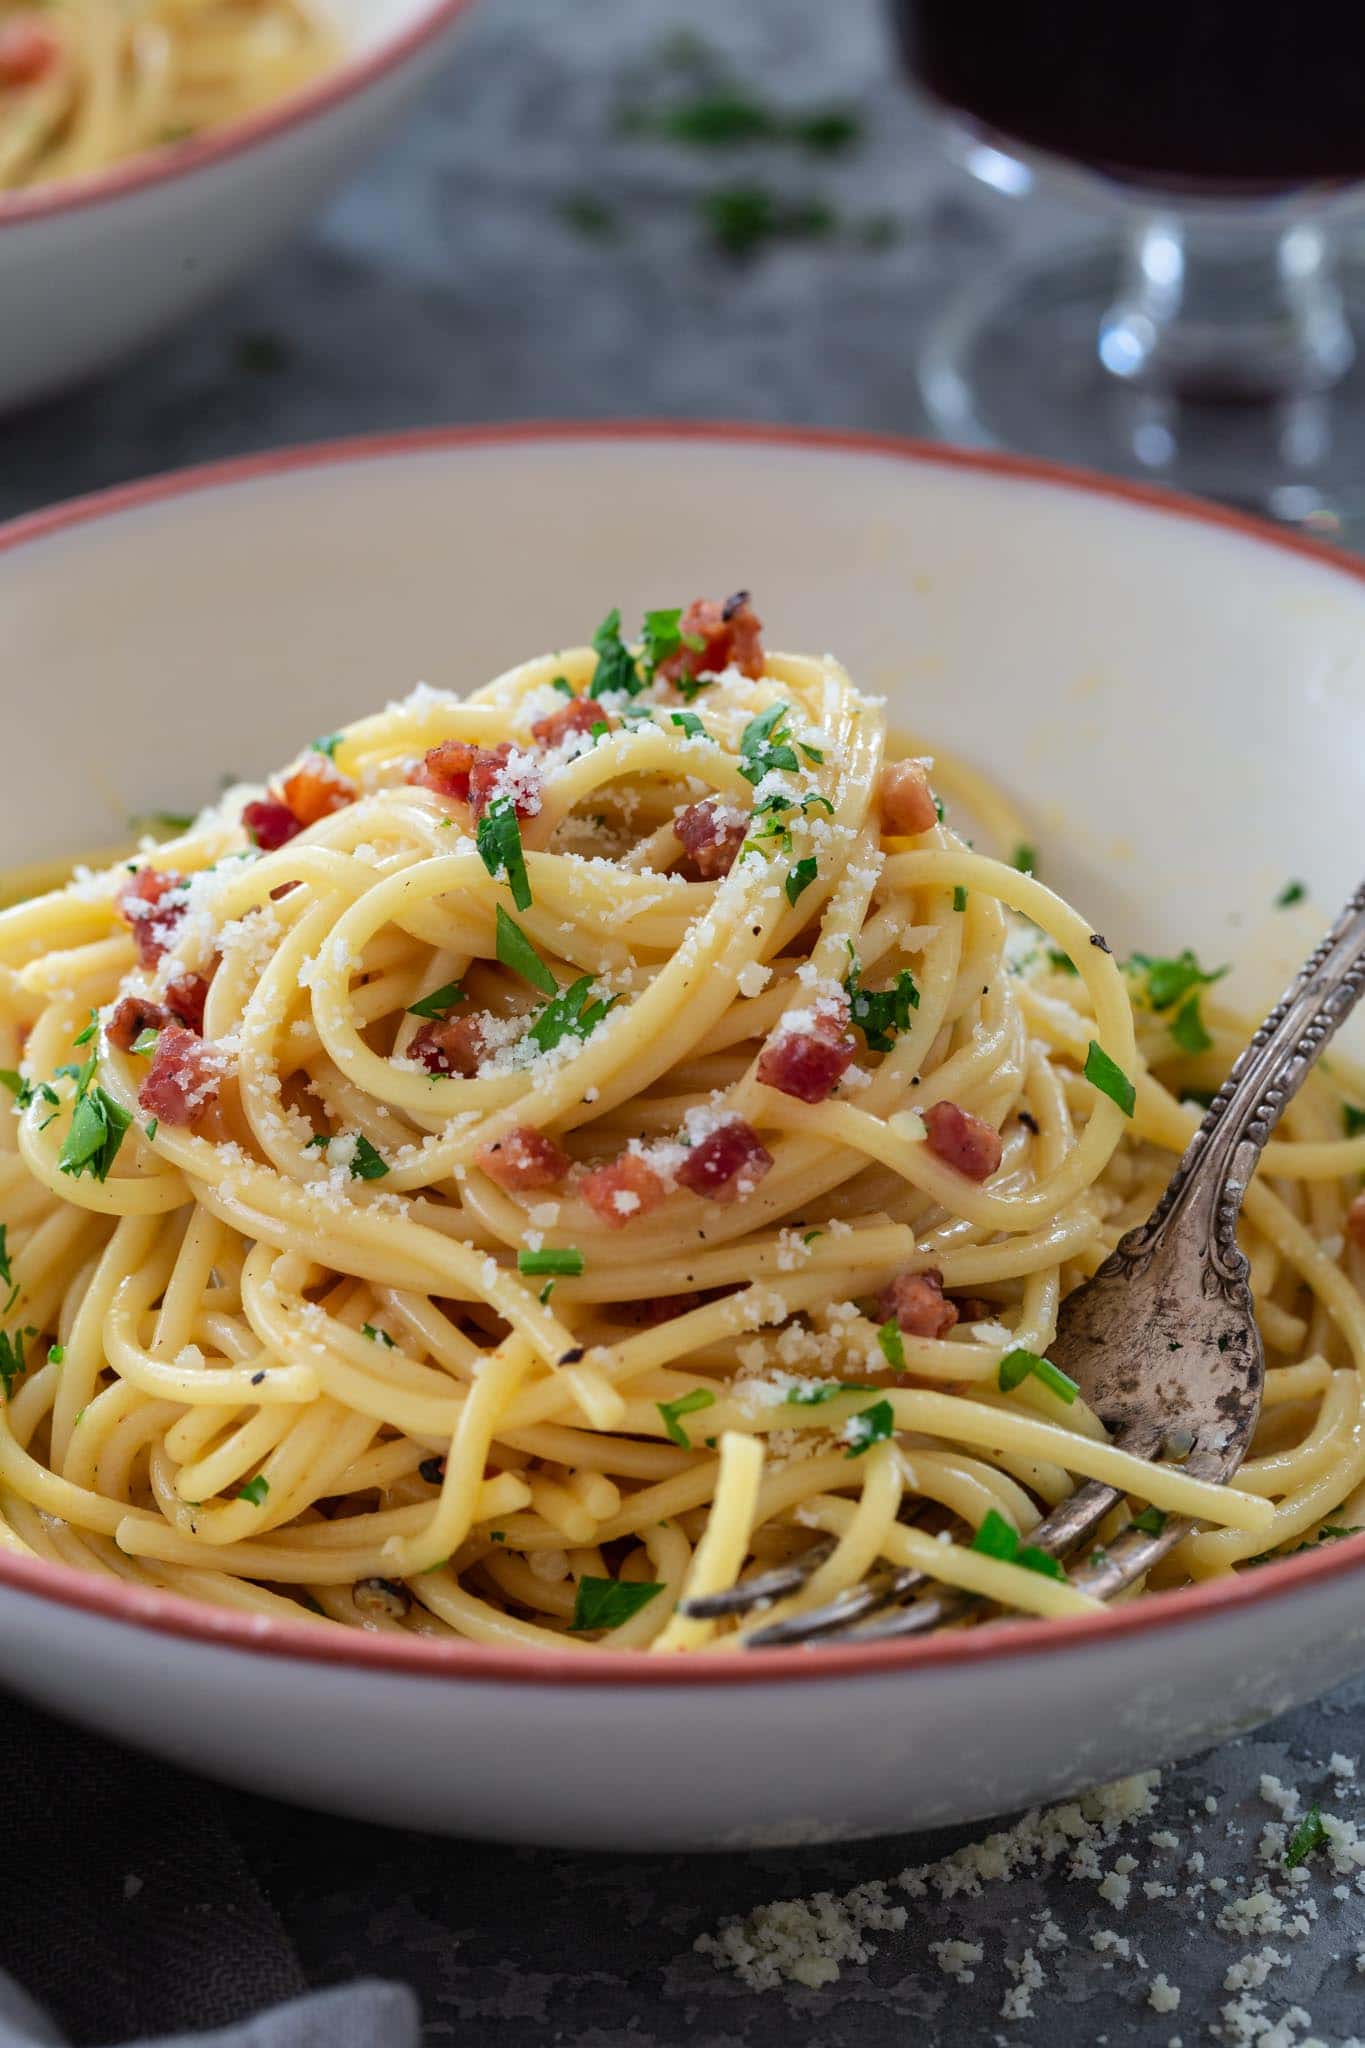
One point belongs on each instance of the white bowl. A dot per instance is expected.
(1182, 691)
(91, 270)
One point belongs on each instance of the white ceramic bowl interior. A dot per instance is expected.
(91, 271)
(1178, 704)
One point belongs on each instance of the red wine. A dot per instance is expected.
(1189, 93)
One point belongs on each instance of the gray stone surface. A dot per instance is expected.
(448, 285)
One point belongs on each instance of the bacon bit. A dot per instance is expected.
(316, 789)
(729, 634)
(907, 803)
(809, 1064)
(185, 999)
(580, 715)
(712, 834)
(1355, 1220)
(453, 1045)
(140, 902)
(186, 1075)
(445, 768)
(972, 1309)
(963, 1140)
(131, 1017)
(270, 823)
(524, 1158)
(484, 776)
(29, 49)
(917, 1304)
(623, 1191)
(727, 1165)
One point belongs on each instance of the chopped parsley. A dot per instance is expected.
(1167, 981)
(1000, 1539)
(546, 1291)
(1352, 1119)
(255, 1490)
(1017, 1366)
(869, 1426)
(1106, 1075)
(1188, 1029)
(616, 670)
(515, 950)
(1151, 1521)
(800, 878)
(145, 1042)
(763, 745)
(328, 744)
(56, 1354)
(97, 1127)
(1061, 963)
(498, 840)
(563, 685)
(686, 1404)
(570, 1015)
(28, 1092)
(742, 218)
(84, 1037)
(439, 1004)
(662, 637)
(1024, 857)
(566, 1260)
(1309, 1836)
(366, 1163)
(6, 1277)
(151, 1127)
(892, 1344)
(606, 1603)
(824, 1390)
(690, 724)
(880, 1014)
(377, 1336)
(12, 1361)
(959, 898)
(1292, 893)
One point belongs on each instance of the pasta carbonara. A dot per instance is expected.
(555, 1151)
(86, 83)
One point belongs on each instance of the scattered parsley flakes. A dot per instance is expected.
(377, 1336)
(328, 744)
(570, 1015)
(690, 724)
(880, 1014)
(1106, 1075)
(892, 1344)
(439, 1004)
(1000, 1539)
(150, 1128)
(145, 1042)
(1352, 1119)
(1292, 893)
(1025, 858)
(1062, 963)
(616, 670)
(498, 840)
(763, 745)
(686, 1404)
(662, 637)
(563, 685)
(97, 1127)
(1016, 1366)
(1151, 1521)
(606, 1603)
(5, 1274)
(824, 1390)
(12, 1362)
(1166, 981)
(568, 1260)
(515, 950)
(255, 1490)
(1309, 1836)
(84, 1037)
(959, 898)
(366, 1163)
(800, 878)
(1188, 1029)
(869, 1426)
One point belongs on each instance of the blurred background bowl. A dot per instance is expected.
(93, 268)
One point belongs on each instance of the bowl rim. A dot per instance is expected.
(353, 75)
(171, 1614)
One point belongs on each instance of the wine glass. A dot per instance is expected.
(1209, 341)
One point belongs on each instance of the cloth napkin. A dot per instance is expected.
(128, 1913)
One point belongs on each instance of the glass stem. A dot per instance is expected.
(1226, 309)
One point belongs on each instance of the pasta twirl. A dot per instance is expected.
(558, 1150)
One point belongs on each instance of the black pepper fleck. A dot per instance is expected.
(1098, 939)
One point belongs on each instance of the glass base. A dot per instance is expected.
(1016, 364)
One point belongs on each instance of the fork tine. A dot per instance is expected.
(840, 1613)
(763, 1589)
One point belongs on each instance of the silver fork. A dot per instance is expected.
(1162, 1342)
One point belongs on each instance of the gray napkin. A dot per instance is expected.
(128, 1914)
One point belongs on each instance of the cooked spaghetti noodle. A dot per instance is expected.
(86, 83)
(557, 1151)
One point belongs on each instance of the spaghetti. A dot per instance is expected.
(87, 83)
(554, 1152)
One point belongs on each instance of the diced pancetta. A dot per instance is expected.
(810, 1063)
(1355, 1220)
(450, 1045)
(473, 775)
(711, 833)
(907, 802)
(317, 788)
(523, 1158)
(131, 1017)
(727, 1165)
(579, 714)
(186, 996)
(270, 824)
(962, 1140)
(153, 903)
(729, 636)
(183, 1083)
(623, 1190)
(29, 49)
(917, 1304)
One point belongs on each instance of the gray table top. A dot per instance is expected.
(513, 253)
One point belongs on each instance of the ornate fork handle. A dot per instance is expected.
(1206, 1191)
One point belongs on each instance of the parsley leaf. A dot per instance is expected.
(1061, 962)
(328, 744)
(616, 669)
(880, 1014)
(1170, 979)
(1016, 1366)
(800, 878)
(959, 898)
(606, 1603)
(869, 1426)
(999, 1539)
(1188, 1029)
(366, 1163)
(515, 950)
(145, 1042)
(1309, 1836)
(439, 1004)
(5, 1274)
(12, 1361)
(567, 1260)
(84, 1037)
(1024, 857)
(255, 1490)
(892, 1344)
(824, 1390)
(663, 636)
(686, 1404)
(690, 724)
(763, 745)
(377, 1336)
(151, 1128)
(1106, 1075)
(1151, 1521)
(1352, 1119)
(1292, 892)
(569, 1015)
(97, 1128)
(498, 839)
